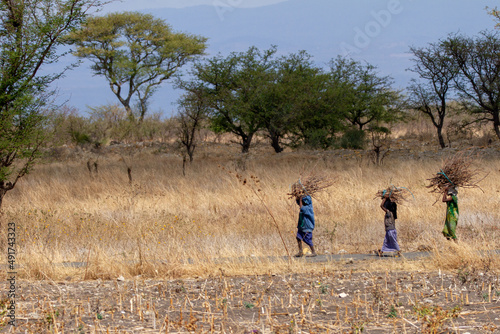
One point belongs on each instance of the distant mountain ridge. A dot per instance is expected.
(321, 27)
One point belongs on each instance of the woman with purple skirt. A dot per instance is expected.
(391, 236)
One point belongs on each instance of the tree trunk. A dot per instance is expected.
(496, 123)
(376, 149)
(4, 187)
(275, 141)
(440, 136)
(245, 147)
(184, 165)
(142, 112)
(245, 143)
(2, 194)
(129, 173)
(130, 114)
(190, 154)
(276, 145)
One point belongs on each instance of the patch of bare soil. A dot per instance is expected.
(325, 301)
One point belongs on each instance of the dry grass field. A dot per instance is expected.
(165, 226)
(62, 213)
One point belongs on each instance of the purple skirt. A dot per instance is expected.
(390, 242)
(307, 237)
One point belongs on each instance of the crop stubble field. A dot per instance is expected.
(177, 240)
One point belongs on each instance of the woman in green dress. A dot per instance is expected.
(450, 224)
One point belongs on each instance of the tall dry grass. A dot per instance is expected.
(166, 224)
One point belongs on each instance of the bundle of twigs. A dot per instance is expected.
(457, 172)
(310, 185)
(395, 194)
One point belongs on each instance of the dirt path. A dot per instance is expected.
(341, 257)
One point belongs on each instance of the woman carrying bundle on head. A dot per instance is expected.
(456, 172)
(390, 207)
(302, 191)
(305, 225)
(451, 221)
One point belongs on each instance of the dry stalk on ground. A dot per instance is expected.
(256, 189)
(457, 172)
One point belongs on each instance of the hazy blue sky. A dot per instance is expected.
(376, 31)
(149, 4)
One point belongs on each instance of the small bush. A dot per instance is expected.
(80, 138)
(318, 139)
(353, 139)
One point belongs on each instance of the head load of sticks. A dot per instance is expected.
(457, 172)
(310, 185)
(395, 194)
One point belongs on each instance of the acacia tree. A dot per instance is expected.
(436, 70)
(294, 83)
(496, 14)
(379, 137)
(30, 34)
(136, 53)
(316, 120)
(192, 113)
(234, 87)
(478, 81)
(361, 94)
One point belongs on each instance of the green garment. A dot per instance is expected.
(450, 224)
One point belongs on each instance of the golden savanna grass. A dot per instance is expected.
(165, 224)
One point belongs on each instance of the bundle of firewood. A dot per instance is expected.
(457, 172)
(395, 194)
(310, 185)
